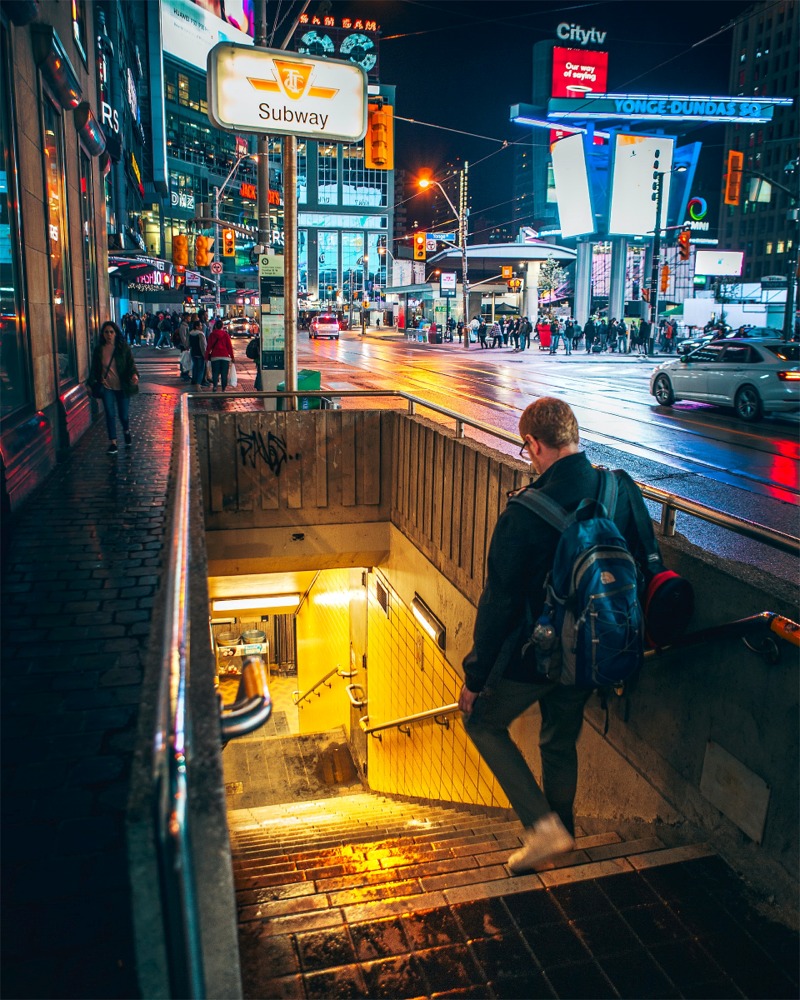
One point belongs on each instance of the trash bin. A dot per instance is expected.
(309, 379)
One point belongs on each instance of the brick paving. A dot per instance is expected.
(79, 580)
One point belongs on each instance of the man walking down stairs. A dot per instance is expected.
(361, 895)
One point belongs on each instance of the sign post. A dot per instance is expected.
(270, 91)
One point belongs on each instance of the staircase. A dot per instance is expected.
(363, 895)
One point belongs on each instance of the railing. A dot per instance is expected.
(170, 764)
(297, 697)
(670, 503)
(253, 705)
(404, 723)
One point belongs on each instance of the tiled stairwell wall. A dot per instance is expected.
(408, 673)
(323, 642)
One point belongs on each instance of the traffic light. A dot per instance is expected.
(180, 249)
(379, 140)
(202, 251)
(665, 277)
(684, 244)
(420, 249)
(228, 243)
(733, 178)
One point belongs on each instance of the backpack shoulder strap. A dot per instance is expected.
(609, 492)
(641, 516)
(546, 508)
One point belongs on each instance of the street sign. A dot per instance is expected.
(269, 90)
(270, 265)
(507, 271)
(216, 267)
(430, 244)
(443, 237)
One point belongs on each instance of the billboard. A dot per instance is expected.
(447, 285)
(573, 196)
(577, 72)
(638, 160)
(190, 30)
(720, 263)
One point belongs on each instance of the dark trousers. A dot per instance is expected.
(561, 707)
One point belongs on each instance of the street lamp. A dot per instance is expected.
(461, 216)
(217, 195)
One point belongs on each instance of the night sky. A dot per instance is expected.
(462, 63)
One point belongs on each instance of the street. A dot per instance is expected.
(699, 452)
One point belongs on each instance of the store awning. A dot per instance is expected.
(140, 269)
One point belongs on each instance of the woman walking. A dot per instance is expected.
(114, 371)
(220, 353)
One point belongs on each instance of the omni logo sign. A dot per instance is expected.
(295, 79)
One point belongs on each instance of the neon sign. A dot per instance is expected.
(641, 107)
(355, 23)
(697, 209)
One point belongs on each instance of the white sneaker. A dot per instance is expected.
(540, 842)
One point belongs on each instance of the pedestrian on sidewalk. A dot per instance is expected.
(500, 682)
(197, 352)
(219, 352)
(114, 370)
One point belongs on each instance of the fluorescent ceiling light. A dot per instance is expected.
(429, 622)
(252, 603)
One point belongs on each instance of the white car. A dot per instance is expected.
(752, 376)
(324, 325)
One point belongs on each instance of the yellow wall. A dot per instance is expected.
(408, 673)
(323, 642)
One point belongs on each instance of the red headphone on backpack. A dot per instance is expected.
(668, 607)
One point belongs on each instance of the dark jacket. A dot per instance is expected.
(125, 365)
(521, 555)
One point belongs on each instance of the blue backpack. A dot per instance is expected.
(591, 631)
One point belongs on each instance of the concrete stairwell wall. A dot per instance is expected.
(710, 734)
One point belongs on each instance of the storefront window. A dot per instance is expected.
(360, 186)
(302, 262)
(328, 249)
(353, 265)
(89, 243)
(302, 173)
(57, 243)
(14, 384)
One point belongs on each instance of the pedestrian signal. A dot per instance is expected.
(733, 178)
(420, 248)
(180, 249)
(228, 243)
(379, 141)
(665, 277)
(685, 244)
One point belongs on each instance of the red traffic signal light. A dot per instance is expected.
(685, 244)
(379, 141)
(733, 178)
(420, 248)
(228, 243)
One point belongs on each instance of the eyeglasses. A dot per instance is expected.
(523, 452)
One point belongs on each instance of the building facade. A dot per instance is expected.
(53, 246)
(764, 62)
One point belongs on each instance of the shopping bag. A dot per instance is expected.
(233, 378)
(185, 361)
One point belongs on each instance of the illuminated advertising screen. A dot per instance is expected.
(577, 72)
(721, 263)
(447, 285)
(572, 187)
(191, 29)
(638, 160)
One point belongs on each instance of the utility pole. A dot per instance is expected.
(462, 239)
(654, 270)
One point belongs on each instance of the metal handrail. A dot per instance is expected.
(171, 768)
(407, 720)
(670, 502)
(297, 697)
(253, 705)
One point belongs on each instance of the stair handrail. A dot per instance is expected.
(253, 705)
(670, 503)
(297, 697)
(407, 720)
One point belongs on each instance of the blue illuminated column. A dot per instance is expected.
(616, 292)
(583, 281)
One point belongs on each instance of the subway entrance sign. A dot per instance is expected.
(280, 93)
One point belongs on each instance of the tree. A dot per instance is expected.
(551, 276)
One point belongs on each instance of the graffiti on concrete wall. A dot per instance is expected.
(254, 446)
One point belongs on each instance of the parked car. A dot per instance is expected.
(756, 377)
(324, 325)
(686, 346)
